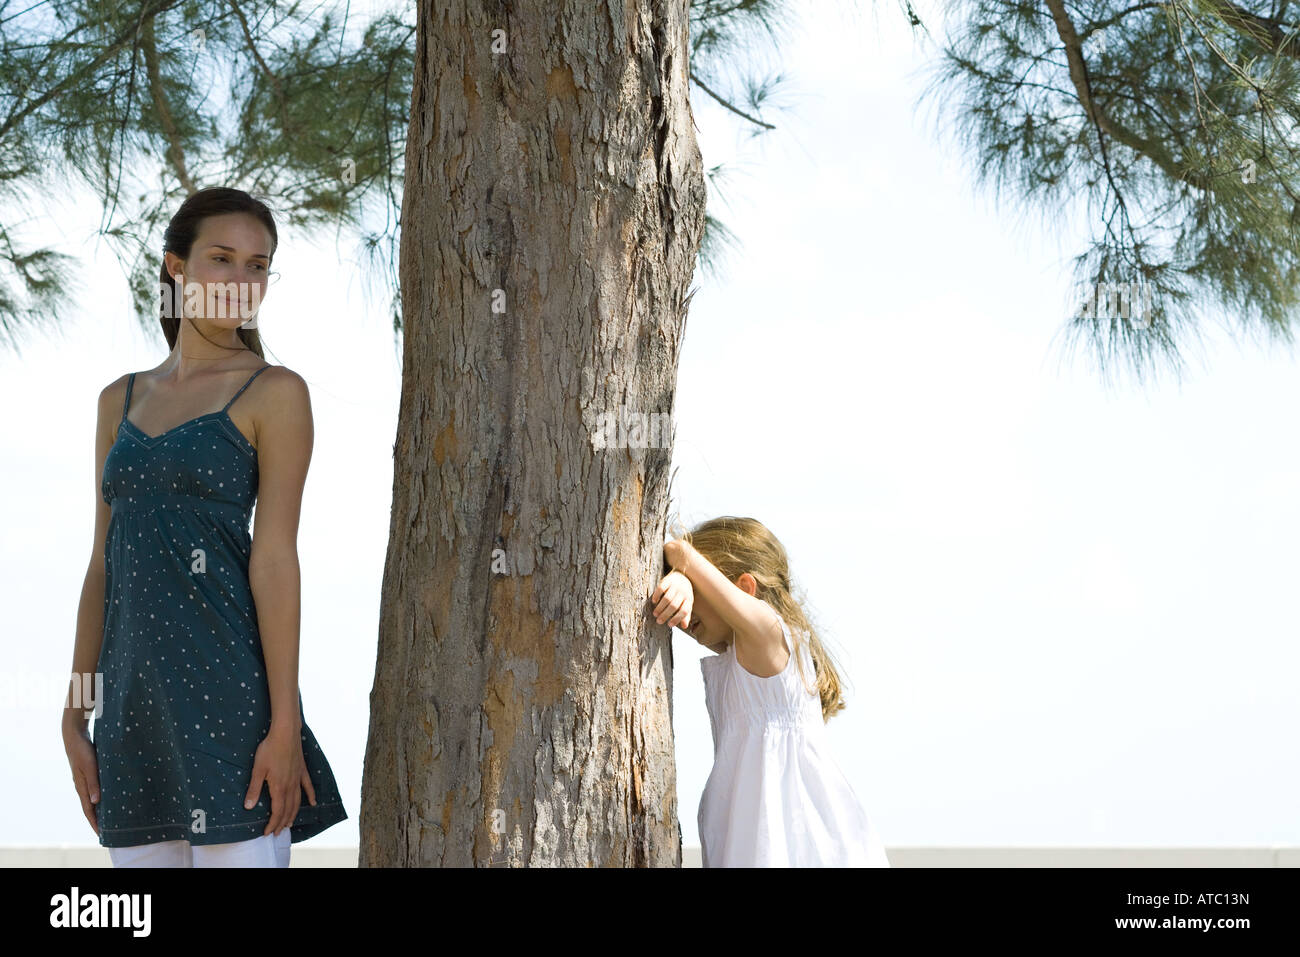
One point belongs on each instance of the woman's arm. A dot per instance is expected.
(285, 434)
(90, 610)
(90, 618)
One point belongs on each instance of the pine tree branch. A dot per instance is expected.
(695, 79)
(175, 150)
(76, 77)
(270, 76)
(1104, 124)
(1083, 89)
(1271, 34)
(1116, 18)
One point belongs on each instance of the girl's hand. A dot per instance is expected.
(279, 762)
(677, 553)
(85, 770)
(674, 598)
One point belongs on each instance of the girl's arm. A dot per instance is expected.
(284, 444)
(757, 626)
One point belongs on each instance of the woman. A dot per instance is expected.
(201, 753)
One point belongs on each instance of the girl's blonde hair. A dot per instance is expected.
(738, 545)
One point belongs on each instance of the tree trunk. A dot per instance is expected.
(554, 203)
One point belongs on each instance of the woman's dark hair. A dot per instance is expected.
(179, 238)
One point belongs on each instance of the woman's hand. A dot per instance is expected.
(85, 768)
(279, 762)
(674, 598)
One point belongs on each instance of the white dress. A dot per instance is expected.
(776, 797)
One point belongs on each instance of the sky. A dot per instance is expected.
(1063, 609)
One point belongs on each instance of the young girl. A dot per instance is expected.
(201, 755)
(776, 797)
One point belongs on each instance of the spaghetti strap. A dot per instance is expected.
(245, 386)
(127, 404)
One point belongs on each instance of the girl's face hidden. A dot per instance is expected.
(707, 626)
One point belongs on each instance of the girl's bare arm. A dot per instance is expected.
(756, 625)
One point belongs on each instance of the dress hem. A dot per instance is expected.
(323, 816)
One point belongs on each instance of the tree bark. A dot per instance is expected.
(553, 207)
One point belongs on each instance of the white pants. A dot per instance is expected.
(269, 850)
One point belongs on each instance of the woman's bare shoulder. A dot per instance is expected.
(277, 398)
(113, 395)
(281, 386)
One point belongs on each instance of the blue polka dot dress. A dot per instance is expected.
(185, 694)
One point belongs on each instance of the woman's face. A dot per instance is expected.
(229, 260)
